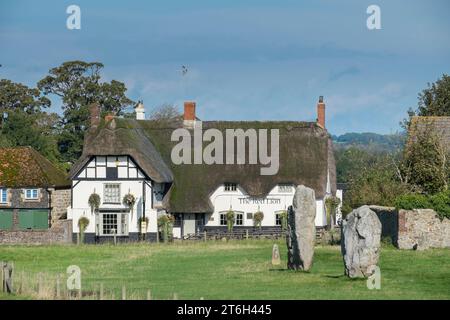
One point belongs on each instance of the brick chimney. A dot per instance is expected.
(321, 112)
(189, 110)
(94, 114)
(189, 114)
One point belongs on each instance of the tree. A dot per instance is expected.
(78, 85)
(426, 163)
(331, 204)
(22, 129)
(19, 97)
(432, 101)
(164, 113)
(376, 184)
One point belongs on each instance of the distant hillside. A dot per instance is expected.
(370, 141)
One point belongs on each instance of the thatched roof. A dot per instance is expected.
(305, 155)
(23, 167)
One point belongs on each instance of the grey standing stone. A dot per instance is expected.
(276, 261)
(360, 245)
(301, 231)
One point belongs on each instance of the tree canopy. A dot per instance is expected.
(78, 85)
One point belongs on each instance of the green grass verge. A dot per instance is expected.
(233, 270)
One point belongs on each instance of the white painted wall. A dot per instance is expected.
(274, 202)
(82, 189)
(339, 194)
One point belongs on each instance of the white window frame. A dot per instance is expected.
(106, 199)
(121, 223)
(33, 196)
(3, 193)
(230, 187)
(285, 188)
(241, 219)
(222, 217)
(278, 218)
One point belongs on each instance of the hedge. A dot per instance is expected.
(439, 202)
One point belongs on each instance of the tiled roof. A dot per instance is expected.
(25, 167)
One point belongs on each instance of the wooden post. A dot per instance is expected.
(246, 234)
(149, 295)
(157, 236)
(40, 284)
(78, 238)
(58, 287)
(101, 291)
(124, 293)
(22, 279)
(12, 277)
(2, 277)
(204, 235)
(175, 296)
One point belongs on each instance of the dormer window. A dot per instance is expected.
(285, 188)
(230, 186)
(31, 194)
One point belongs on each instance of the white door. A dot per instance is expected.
(188, 223)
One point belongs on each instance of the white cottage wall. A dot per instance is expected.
(239, 201)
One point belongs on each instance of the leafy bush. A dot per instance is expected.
(165, 225)
(412, 201)
(439, 202)
(83, 223)
(230, 220)
(258, 217)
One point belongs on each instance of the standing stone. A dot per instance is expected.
(360, 245)
(276, 261)
(301, 231)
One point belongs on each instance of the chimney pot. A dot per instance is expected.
(140, 111)
(321, 112)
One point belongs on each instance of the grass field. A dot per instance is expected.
(233, 270)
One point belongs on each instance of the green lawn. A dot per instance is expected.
(233, 270)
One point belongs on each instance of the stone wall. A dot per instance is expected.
(60, 232)
(60, 200)
(422, 229)
(389, 222)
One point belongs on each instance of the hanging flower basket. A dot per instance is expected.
(129, 200)
(94, 202)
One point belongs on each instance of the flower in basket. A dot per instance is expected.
(129, 200)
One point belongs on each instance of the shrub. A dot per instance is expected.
(412, 201)
(439, 202)
(165, 224)
(284, 220)
(258, 218)
(83, 223)
(230, 220)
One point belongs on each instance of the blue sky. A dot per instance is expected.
(247, 60)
